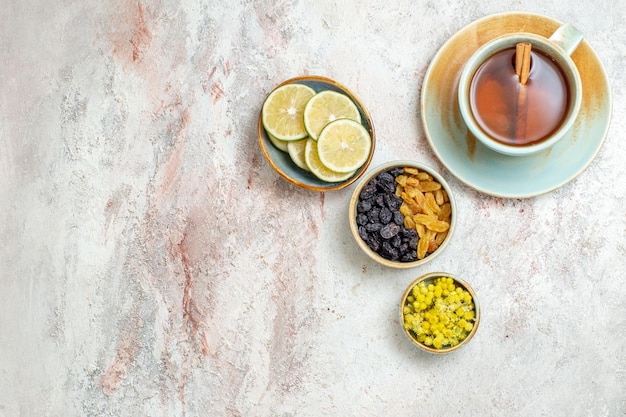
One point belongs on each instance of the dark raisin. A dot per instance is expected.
(410, 237)
(363, 232)
(386, 177)
(398, 218)
(389, 231)
(393, 201)
(379, 200)
(389, 251)
(409, 257)
(361, 219)
(364, 206)
(396, 171)
(373, 245)
(385, 215)
(368, 191)
(396, 241)
(390, 187)
(373, 215)
(387, 182)
(373, 227)
(404, 248)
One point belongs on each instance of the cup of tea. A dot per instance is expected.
(520, 101)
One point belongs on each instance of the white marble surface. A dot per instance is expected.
(152, 263)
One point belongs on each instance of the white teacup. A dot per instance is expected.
(490, 108)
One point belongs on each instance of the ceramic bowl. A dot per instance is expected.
(364, 234)
(282, 163)
(458, 282)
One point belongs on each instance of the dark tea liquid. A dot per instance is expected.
(510, 115)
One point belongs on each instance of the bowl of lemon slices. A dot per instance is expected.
(315, 133)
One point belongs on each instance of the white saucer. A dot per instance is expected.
(490, 172)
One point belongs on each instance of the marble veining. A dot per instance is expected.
(153, 264)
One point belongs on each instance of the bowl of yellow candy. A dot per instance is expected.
(439, 312)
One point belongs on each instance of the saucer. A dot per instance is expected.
(488, 171)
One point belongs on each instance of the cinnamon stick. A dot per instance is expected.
(522, 61)
(522, 69)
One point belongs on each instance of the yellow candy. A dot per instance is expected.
(439, 313)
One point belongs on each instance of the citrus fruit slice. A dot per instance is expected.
(282, 111)
(344, 145)
(296, 150)
(279, 144)
(325, 107)
(318, 168)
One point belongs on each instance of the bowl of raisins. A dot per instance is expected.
(402, 214)
(439, 312)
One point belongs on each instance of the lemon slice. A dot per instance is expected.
(325, 107)
(296, 150)
(283, 109)
(344, 145)
(318, 168)
(279, 144)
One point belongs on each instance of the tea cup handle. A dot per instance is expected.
(567, 37)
